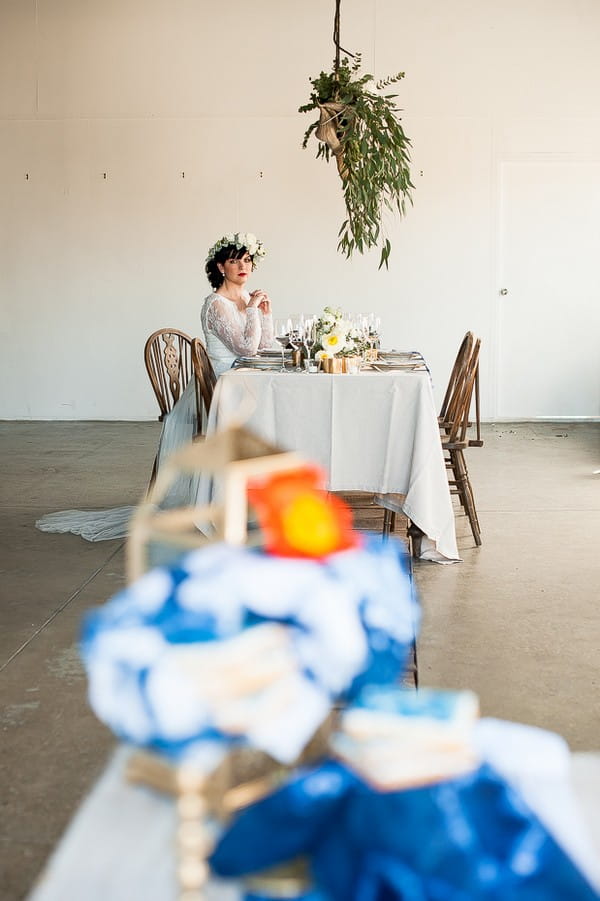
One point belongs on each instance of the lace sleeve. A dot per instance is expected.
(240, 332)
(267, 337)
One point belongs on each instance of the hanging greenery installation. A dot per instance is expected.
(362, 130)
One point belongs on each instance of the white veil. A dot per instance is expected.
(179, 427)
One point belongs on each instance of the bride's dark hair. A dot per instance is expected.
(230, 252)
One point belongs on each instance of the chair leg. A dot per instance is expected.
(415, 536)
(466, 493)
(413, 666)
(473, 517)
(415, 663)
(153, 476)
(389, 523)
(454, 479)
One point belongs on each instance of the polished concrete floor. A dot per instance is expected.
(518, 621)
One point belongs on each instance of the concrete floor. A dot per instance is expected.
(518, 621)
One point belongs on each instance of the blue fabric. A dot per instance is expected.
(469, 839)
(214, 594)
(312, 895)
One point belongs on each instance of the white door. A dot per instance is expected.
(549, 290)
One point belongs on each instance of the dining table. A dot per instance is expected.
(373, 431)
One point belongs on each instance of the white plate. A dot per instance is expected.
(384, 366)
(397, 355)
(276, 354)
(258, 363)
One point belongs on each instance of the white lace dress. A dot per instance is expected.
(231, 333)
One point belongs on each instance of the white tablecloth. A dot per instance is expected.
(372, 432)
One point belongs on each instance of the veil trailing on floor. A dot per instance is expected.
(179, 427)
(93, 525)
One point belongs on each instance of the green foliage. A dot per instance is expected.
(374, 164)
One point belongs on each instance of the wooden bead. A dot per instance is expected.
(193, 873)
(190, 807)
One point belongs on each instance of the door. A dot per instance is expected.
(549, 290)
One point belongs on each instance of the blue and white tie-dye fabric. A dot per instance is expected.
(232, 644)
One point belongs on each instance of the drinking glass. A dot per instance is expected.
(296, 341)
(308, 338)
(282, 336)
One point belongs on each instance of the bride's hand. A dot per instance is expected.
(261, 300)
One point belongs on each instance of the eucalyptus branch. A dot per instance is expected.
(372, 151)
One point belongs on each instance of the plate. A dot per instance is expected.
(397, 355)
(389, 366)
(275, 354)
(267, 365)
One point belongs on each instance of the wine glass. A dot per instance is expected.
(282, 336)
(308, 338)
(296, 338)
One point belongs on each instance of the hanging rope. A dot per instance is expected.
(336, 38)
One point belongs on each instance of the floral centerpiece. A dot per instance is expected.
(338, 335)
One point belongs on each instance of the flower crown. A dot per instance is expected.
(240, 239)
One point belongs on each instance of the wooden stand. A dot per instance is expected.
(231, 458)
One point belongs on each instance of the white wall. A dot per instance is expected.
(146, 91)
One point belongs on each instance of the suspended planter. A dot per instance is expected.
(362, 131)
(327, 132)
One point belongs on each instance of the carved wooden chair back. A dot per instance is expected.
(167, 356)
(205, 380)
(458, 419)
(451, 398)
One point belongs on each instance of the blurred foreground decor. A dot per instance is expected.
(258, 674)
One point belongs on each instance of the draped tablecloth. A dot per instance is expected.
(374, 432)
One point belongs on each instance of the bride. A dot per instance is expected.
(235, 323)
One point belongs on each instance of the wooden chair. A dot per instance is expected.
(167, 356)
(168, 359)
(205, 381)
(451, 398)
(393, 503)
(463, 381)
(455, 440)
(452, 395)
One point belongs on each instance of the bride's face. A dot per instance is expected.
(238, 271)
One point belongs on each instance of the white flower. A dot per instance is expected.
(328, 319)
(334, 342)
(238, 240)
(322, 355)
